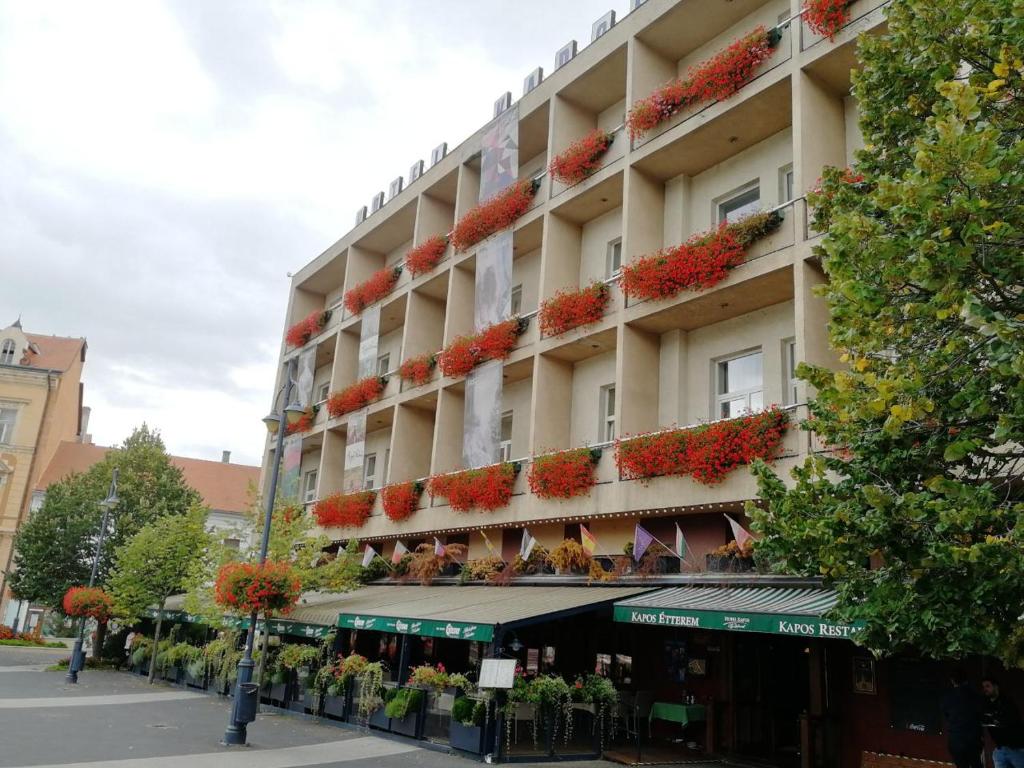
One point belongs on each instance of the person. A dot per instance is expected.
(961, 708)
(1001, 719)
(129, 641)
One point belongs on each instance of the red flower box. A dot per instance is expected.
(348, 510)
(571, 309)
(493, 343)
(580, 160)
(417, 370)
(706, 453)
(244, 588)
(401, 500)
(826, 17)
(713, 80)
(88, 601)
(425, 256)
(304, 424)
(493, 215)
(700, 263)
(380, 284)
(488, 488)
(565, 474)
(357, 396)
(308, 327)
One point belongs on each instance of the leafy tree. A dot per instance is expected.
(917, 519)
(156, 564)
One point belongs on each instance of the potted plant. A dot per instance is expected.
(368, 706)
(335, 682)
(195, 671)
(601, 693)
(404, 707)
(222, 657)
(466, 729)
(293, 662)
(570, 557)
(142, 651)
(553, 699)
(731, 558)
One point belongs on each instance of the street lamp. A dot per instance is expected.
(77, 662)
(241, 713)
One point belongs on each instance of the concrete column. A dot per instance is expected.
(560, 256)
(643, 215)
(433, 217)
(332, 464)
(411, 439)
(552, 405)
(459, 314)
(468, 190)
(447, 448)
(637, 392)
(424, 326)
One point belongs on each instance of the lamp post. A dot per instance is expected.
(77, 661)
(235, 734)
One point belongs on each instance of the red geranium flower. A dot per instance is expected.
(304, 424)
(493, 215)
(417, 369)
(563, 475)
(88, 601)
(425, 256)
(357, 396)
(571, 309)
(348, 510)
(488, 488)
(466, 352)
(308, 327)
(401, 500)
(581, 158)
(376, 288)
(826, 17)
(244, 588)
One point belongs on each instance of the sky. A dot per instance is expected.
(165, 165)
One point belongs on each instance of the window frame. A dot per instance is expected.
(607, 422)
(323, 392)
(720, 215)
(383, 363)
(723, 398)
(787, 184)
(790, 393)
(309, 494)
(8, 427)
(515, 300)
(613, 249)
(7, 350)
(369, 478)
(505, 445)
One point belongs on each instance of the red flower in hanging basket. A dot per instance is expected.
(706, 453)
(700, 263)
(348, 510)
(305, 422)
(357, 396)
(493, 343)
(417, 370)
(245, 588)
(308, 327)
(565, 474)
(716, 79)
(572, 309)
(488, 488)
(425, 256)
(88, 601)
(493, 215)
(826, 17)
(582, 158)
(401, 500)
(380, 284)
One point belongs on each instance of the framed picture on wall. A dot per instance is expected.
(864, 675)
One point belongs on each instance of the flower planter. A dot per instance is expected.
(335, 707)
(312, 702)
(141, 669)
(378, 719)
(728, 564)
(410, 725)
(173, 674)
(466, 738)
(195, 682)
(276, 693)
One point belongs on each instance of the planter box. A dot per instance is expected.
(335, 707)
(728, 564)
(467, 738)
(378, 719)
(312, 702)
(173, 674)
(141, 669)
(195, 682)
(276, 692)
(408, 725)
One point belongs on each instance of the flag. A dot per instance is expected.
(487, 543)
(527, 546)
(680, 543)
(741, 534)
(439, 548)
(641, 541)
(368, 554)
(400, 551)
(587, 539)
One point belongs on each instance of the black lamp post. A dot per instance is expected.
(77, 662)
(243, 710)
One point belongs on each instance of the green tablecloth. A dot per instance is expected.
(684, 714)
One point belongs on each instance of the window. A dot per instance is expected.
(505, 447)
(7, 418)
(383, 363)
(309, 487)
(387, 463)
(324, 392)
(739, 385)
(516, 299)
(7, 352)
(789, 383)
(370, 471)
(613, 264)
(786, 190)
(606, 429)
(743, 203)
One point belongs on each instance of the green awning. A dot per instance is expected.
(796, 611)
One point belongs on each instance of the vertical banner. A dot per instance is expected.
(369, 340)
(302, 393)
(499, 154)
(355, 438)
(481, 434)
(493, 297)
(289, 485)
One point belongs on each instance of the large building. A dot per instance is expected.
(722, 349)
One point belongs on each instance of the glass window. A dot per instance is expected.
(505, 447)
(786, 190)
(516, 299)
(324, 392)
(383, 363)
(789, 391)
(742, 204)
(387, 463)
(607, 426)
(7, 352)
(739, 385)
(370, 472)
(614, 260)
(309, 487)
(7, 418)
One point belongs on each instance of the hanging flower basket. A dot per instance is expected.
(700, 263)
(347, 510)
(357, 396)
(493, 215)
(488, 488)
(493, 343)
(716, 79)
(246, 588)
(305, 422)
(417, 370)
(380, 284)
(92, 602)
(401, 500)
(826, 17)
(565, 474)
(572, 309)
(582, 158)
(706, 453)
(308, 327)
(425, 256)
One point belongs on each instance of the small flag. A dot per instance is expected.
(587, 539)
(400, 551)
(680, 543)
(368, 554)
(641, 541)
(487, 543)
(439, 548)
(741, 534)
(527, 546)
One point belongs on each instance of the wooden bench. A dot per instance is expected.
(882, 760)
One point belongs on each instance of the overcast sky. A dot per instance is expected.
(164, 165)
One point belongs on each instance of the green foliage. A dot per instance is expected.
(463, 709)
(917, 520)
(370, 684)
(293, 655)
(403, 701)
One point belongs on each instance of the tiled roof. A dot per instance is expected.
(56, 353)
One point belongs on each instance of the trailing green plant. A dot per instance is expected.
(142, 650)
(222, 657)
(294, 655)
(332, 678)
(469, 712)
(402, 701)
(552, 696)
(460, 682)
(370, 681)
(600, 691)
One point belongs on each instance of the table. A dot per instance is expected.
(684, 714)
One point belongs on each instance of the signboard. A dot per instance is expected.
(774, 624)
(453, 630)
(497, 673)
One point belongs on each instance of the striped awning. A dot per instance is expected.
(797, 611)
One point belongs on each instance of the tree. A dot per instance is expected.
(917, 517)
(156, 564)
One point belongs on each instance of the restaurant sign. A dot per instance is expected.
(770, 623)
(277, 626)
(454, 630)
